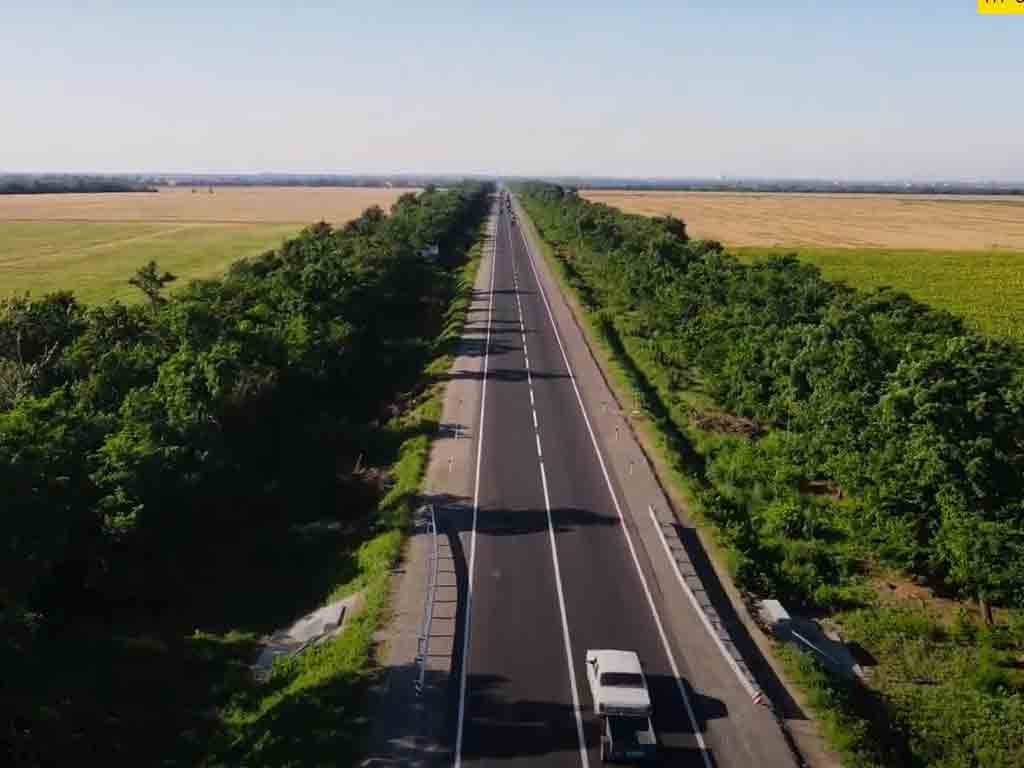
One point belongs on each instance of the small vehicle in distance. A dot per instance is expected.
(621, 699)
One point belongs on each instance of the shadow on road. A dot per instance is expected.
(478, 294)
(499, 374)
(500, 727)
(477, 347)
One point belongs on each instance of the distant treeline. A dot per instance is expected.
(877, 420)
(37, 185)
(817, 186)
(310, 180)
(147, 182)
(138, 182)
(136, 442)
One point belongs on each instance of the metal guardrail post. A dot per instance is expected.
(423, 640)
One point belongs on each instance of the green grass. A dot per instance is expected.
(984, 287)
(96, 259)
(941, 695)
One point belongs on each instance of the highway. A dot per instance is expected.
(554, 566)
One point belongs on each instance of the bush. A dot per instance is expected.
(785, 518)
(989, 676)
(963, 629)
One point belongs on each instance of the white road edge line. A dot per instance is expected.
(700, 611)
(476, 506)
(622, 520)
(584, 758)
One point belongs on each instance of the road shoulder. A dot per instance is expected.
(407, 728)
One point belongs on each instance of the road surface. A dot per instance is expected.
(552, 564)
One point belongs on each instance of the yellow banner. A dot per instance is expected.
(1001, 6)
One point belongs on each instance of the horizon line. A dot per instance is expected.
(726, 178)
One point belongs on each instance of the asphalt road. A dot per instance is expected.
(551, 571)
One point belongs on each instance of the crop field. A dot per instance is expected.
(93, 243)
(836, 220)
(962, 254)
(224, 205)
(984, 287)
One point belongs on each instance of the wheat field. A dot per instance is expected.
(836, 220)
(226, 205)
(93, 243)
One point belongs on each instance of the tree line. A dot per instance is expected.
(912, 421)
(137, 439)
(29, 184)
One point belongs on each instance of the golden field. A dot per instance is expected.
(836, 220)
(226, 205)
(93, 243)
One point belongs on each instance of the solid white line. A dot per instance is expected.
(565, 623)
(476, 508)
(700, 611)
(618, 509)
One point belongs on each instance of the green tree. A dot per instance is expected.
(149, 280)
(985, 557)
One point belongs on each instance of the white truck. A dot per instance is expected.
(621, 699)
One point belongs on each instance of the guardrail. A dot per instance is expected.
(712, 623)
(423, 639)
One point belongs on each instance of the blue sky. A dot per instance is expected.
(908, 90)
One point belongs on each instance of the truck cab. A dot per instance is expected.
(617, 683)
(619, 690)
